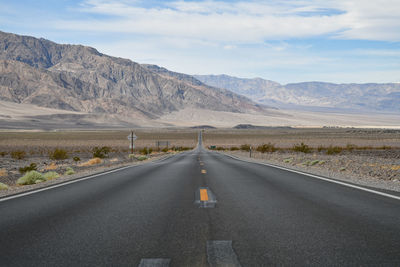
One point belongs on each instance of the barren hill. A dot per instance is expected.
(79, 78)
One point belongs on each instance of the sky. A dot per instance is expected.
(341, 41)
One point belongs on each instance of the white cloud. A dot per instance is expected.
(246, 21)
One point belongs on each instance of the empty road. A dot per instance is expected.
(200, 208)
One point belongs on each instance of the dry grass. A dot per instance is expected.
(3, 172)
(91, 162)
(51, 167)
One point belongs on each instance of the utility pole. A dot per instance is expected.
(250, 151)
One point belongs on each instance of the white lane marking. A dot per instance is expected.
(318, 177)
(75, 181)
(220, 253)
(154, 262)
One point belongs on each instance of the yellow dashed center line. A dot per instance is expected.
(203, 195)
(203, 171)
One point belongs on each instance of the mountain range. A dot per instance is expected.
(315, 96)
(79, 78)
(48, 85)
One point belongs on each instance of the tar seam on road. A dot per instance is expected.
(220, 253)
(317, 177)
(154, 263)
(75, 181)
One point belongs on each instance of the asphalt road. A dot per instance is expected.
(156, 214)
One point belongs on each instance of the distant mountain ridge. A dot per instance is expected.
(308, 95)
(79, 78)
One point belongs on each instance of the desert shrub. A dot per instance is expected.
(333, 150)
(146, 151)
(91, 162)
(101, 152)
(58, 154)
(69, 171)
(31, 167)
(3, 186)
(321, 162)
(314, 162)
(234, 148)
(31, 177)
(52, 166)
(132, 156)
(2, 153)
(165, 149)
(51, 175)
(266, 148)
(220, 148)
(18, 154)
(342, 169)
(320, 148)
(76, 159)
(385, 147)
(245, 147)
(288, 160)
(350, 147)
(141, 158)
(301, 148)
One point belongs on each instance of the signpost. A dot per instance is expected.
(132, 137)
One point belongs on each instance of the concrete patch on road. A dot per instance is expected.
(204, 198)
(220, 253)
(154, 262)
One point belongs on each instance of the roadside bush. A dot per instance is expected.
(350, 147)
(333, 150)
(2, 153)
(146, 151)
(132, 156)
(91, 162)
(31, 177)
(266, 148)
(165, 150)
(3, 186)
(31, 167)
(58, 154)
(320, 148)
(51, 175)
(220, 148)
(288, 160)
(314, 162)
(18, 154)
(76, 159)
(101, 152)
(69, 171)
(245, 147)
(301, 148)
(141, 158)
(234, 148)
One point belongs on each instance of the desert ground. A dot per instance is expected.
(20, 149)
(365, 156)
(369, 157)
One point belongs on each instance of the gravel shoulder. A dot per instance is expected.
(376, 169)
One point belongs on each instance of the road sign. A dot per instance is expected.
(132, 136)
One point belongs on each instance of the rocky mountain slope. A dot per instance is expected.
(312, 95)
(79, 78)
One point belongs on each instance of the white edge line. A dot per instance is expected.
(17, 195)
(317, 177)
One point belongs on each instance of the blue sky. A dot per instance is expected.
(338, 41)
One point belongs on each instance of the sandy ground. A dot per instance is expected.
(191, 116)
(378, 169)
